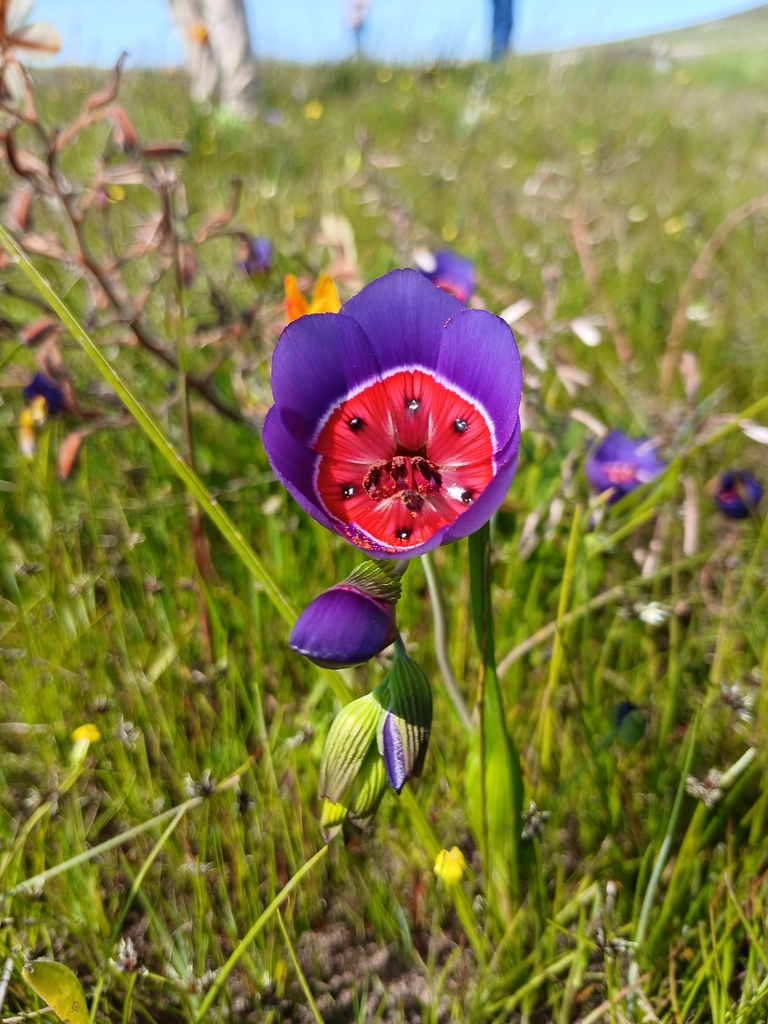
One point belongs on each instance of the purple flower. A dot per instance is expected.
(453, 273)
(395, 421)
(43, 387)
(737, 493)
(342, 627)
(621, 464)
(255, 258)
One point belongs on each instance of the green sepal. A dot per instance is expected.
(352, 732)
(370, 786)
(332, 817)
(380, 580)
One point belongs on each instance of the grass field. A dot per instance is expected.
(626, 188)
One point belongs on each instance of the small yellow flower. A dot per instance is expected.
(82, 738)
(313, 110)
(115, 193)
(450, 232)
(449, 866)
(325, 298)
(87, 732)
(27, 440)
(673, 226)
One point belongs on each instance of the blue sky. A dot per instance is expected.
(96, 32)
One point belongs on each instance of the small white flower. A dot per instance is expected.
(654, 614)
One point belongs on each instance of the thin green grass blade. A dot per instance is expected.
(253, 931)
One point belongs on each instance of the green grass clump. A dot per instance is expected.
(588, 186)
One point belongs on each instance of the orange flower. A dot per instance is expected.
(325, 298)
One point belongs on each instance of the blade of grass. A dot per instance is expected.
(299, 973)
(119, 840)
(137, 883)
(253, 931)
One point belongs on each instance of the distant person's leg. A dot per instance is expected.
(200, 62)
(231, 46)
(502, 28)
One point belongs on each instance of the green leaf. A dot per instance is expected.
(59, 987)
(494, 774)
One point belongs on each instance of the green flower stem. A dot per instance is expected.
(441, 641)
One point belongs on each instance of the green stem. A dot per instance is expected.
(441, 640)
(500, 774)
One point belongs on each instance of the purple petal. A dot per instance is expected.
(481, 510)
(294, 466)
(258, 257)
(319, 359)
(403, 316)
(342, 627)
(737, 494)
(394, 758)
(454, 274)
(478, 355)
(622, 463)
(43, 387)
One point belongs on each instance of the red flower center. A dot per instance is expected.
(402, 458)
(621, 473)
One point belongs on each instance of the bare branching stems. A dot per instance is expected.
(42, 178)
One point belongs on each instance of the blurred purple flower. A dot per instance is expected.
(395, 421)
(255, 258)
(342, 627)
(451, 272)
(737, 493)
(43, 387)
(620, 464)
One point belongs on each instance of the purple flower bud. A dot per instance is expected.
(342, 627)
(255, 256)
(43, 387)
(620, 464)
(453, 273)
(393, 753)
(404, 732)
(737, 493)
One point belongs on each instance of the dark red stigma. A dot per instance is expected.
(403, 458)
